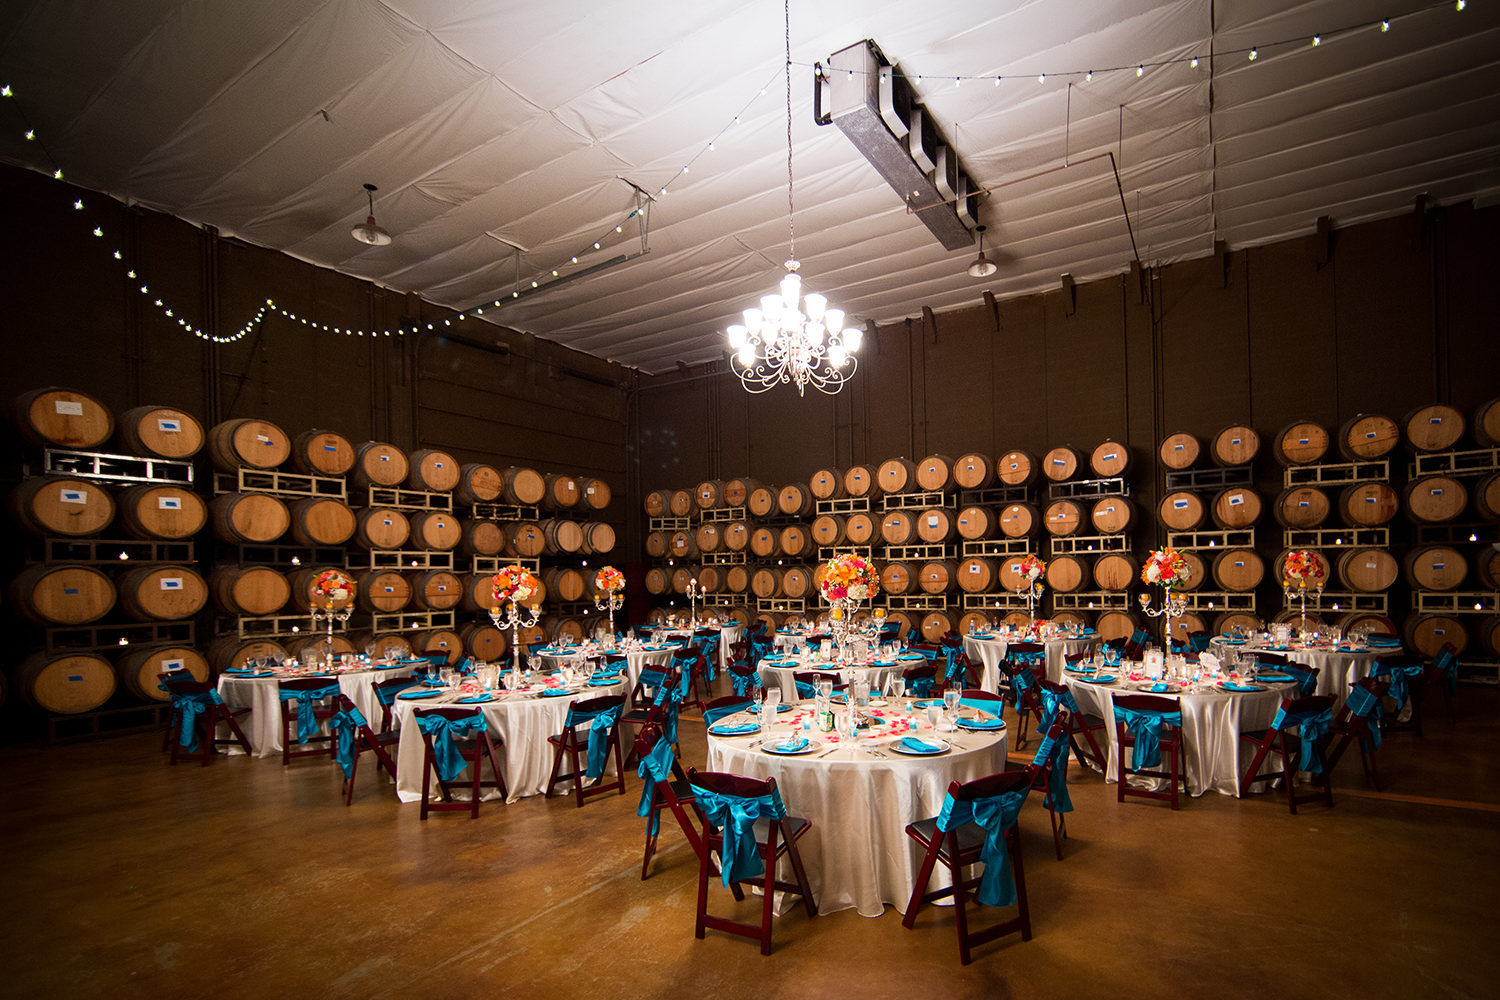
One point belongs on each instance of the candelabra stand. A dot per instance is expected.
(330, 615)
(515, 619)
(609, 602)
(694, 591)
(1172, 607)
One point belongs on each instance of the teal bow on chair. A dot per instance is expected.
(670, 700)
(655, 766)
(1367, 706)
(444, 732)
(919, 687)
(1051, 702)
(1311, 726)
(1401, 675)
(712, 715)
(307, 722)
(187, 708)
(345, 729)
(1145, 729)
(994, 815)
(600, 726)
(1446, 663)
(744, 683)
(1022, 681)
(806, 689)
(735, 816)
(1055, 752)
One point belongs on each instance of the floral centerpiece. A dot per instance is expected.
(1303, 568)
(513, 583)
(609, 586)
(1167, 567)
(608, 580)
(332, 587)
(847, 580)
(1031, 569)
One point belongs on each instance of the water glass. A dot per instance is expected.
(950, 707)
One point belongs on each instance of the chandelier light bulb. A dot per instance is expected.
(738, 335)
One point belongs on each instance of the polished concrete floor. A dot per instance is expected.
(129, 878)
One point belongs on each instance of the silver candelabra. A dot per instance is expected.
(330, 614)
(1172, 607)
(609, 602)
(513, 618)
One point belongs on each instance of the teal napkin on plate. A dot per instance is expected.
(911, 656)
(1099, 679)
(1232, 686)
(1080, 670)
(733, 728)
(1160, 687)
(555, 692)
(928, 703)
(600, 682)
(919, 746)
(981, 724)
(789, 745)
(415, 695)
(476, 699)
(1275, 678)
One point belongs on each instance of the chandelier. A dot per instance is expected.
(793, 337)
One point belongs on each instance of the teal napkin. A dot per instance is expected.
(415, 695)
(792, 745)
(1232, 686)
(733, 728)
(1099, 679)
(555, 692)
(476, 699)
(981, 724)
(919, 746)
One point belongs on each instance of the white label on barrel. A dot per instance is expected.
(1059, 461)
(1439, 565)
(1430, 420)
(974, 568)
(171, 583)
(568, 484)
(385, 458)
(167, 426)
(1439, 631)
(1239, 563)
(171, 665)
(932, 522)
(437, 465)
(1369, 499)
(589, 491)
(388, 522)
(442, 587)
(1236, 500)
(965, 520)
(1180, 504)
(73, 496)
(69, 409)
(262, 439)
(1110, 457)
(1015, 465)
(169, 503)
(389, 589)
(1371, 565)
(1177, 447)
(1110, 509)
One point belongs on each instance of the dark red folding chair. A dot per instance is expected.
(664, 788)
(351, 743)
(451, 724)
(1286, 735)
(574, 739)
(1168, 732)
(308, 703)
(198, 722)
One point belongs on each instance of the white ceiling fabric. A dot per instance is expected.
(505, 137)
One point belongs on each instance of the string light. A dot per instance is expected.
(1254, 54)
(1140, 71)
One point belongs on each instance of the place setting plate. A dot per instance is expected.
(980, 725)
(913, 746)
(795, 746)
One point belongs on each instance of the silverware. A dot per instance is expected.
(825, 753)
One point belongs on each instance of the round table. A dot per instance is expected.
(782, 672)
(262, 696)
(857, 853)
(521, 720)
(989, 649)
(1212, 720)
(1338, 669)
(635, 658)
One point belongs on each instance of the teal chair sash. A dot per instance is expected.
(994, 814)
(1145, 728)
(744, 684)
(345, 727)
(307, 724)
(1311, 725)
(600, 725)
(1401, 676)
(712, 715)
(1051, 702)
(1365, 705)
(1055, 752)
(735, 816)
(1446, 663)
(187, 708)
(655, 766)
(444, 731)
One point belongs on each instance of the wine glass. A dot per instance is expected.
(950, 707)
(768, 708)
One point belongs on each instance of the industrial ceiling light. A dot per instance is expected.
(368, 231)
(778, 342)
(982, 267)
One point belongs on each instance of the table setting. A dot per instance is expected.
(1340, 660)
(987, 647)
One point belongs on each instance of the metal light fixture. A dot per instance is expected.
(368, 231)
(982, 267)
(780, 342)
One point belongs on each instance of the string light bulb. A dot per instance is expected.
(1254, 53)
(1385, 26)
(1140, 71)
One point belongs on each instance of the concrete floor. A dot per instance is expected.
(130, 878)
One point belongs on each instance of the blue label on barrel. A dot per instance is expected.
(330, 447)
(70, 590)
(75, 677)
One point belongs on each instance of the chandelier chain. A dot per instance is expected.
(791, 226)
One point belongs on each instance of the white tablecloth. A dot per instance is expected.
(784, 676)
(1212, 721)
(635, 659)
(990, 650)
(857, 853)
(261, 696)
(1338, 670)
(522, 724)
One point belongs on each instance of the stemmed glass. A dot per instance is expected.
(768, 708)
(950, 708)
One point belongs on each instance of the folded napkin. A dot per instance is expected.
(1234, 686)
(928, 703)
(1160, 687)
(733, 728)
(600, 682)
(1231, 640)
(981, 724)
(1275, 678)
(1276, 646)
(981, 635)
(476, 699)
(789, 745)
(911, 656)
(554, 692)
(1074, 669)
(1099, 679)
(883, 663)
(389, 666)
(414, 695)
(248, 673)
(919, 746)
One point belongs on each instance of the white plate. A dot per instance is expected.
(773, 746)
(944, 746)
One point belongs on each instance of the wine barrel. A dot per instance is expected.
(1278, 567)
(859, 480)
(249, 518)
(59, 505)
(794, 541)
(1063, 518)
(1116, 571)
(247, 443)
(710, 494)
(657, 543)
(736, 579)
(565, 536)
(1487, 568)
(936, 525)
(796, 581)
(65, 684)
(1017, 468)
(1074, 618)
(935, 625)
(978, 576)
(1112, 515)
(1301, 443)
(567, 629)
(1065, 574)
(935, 473)
(160, 512)
(1368, 436)
(1425, 635)
(161, 431)
(598, 538)
(974, 523)
(859, 529)
(680, 544)
(564, 494)
(708, 536)
(1116, 625)
(1014, 620)
(1229, 620)
(1487, 634)
(1236, 445)
(827, 484)
(477, 593)
(63, 418)
(564, 583)
(434, 531)
(763, 542)
(477, 483)
(484, 642)
(322, 453)
(233, 652)
(432, 471)
(436, 590)
(1435, 499)
(1367, 505)
(735, 535)
(1109, 460)
(1238, 570)
(525, 487)
(828, 529)
(1185, 624)
(319, 521)
(898, 527)
(795, 500)
(1197, 570)
(1178, 451)
(1181, 511)
(525, 540)
(1301, 507)
(896, 475)
(377, 463)
(1433, 428)
(1435, 567)
(1367, 570)
(139, 670)
(596, 493)
(1060, 464)
(161, 592)
(896, 578)
(737, 491)
(973, 471)
(1236, 507)
(1486, 423)
(974, 621)
(761, 500)
(62, 594)
(387, 591)
(1487, 497)
(679, 503)
(381, 645)
(711, 579)
(765, 583)
(251, 591)
(433, 641)
(937, 577)
(381, 528)
(480, 537)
